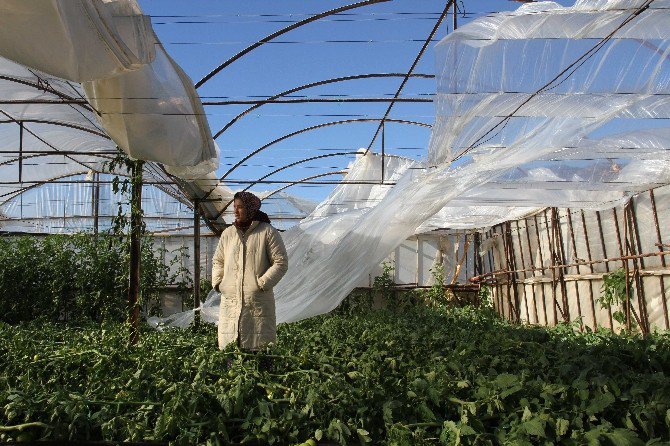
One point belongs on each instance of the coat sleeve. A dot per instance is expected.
(217, 264)
(278, 260)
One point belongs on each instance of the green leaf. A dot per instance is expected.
(318, 434)
(562, 426)
(624, 437)
(505, 380)
(599, 403)
(467, 430)
(527, 414)
(534, 427)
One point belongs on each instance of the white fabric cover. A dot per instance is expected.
(78, 40)
(155, 114)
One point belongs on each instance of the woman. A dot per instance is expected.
(248, 262)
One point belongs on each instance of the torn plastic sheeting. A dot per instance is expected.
(155, 114)
(79, 40)
(329, 254)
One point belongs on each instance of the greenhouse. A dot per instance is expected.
(300, 223)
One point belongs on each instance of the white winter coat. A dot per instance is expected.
(246, 266)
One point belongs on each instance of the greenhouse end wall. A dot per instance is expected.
(550, 267)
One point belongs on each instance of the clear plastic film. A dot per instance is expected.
(155, 114)
(78, 40)
(546, 106)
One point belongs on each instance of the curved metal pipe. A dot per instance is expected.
(302, 181)
(10, 161)
(283, 31)
(18, 192)
(409, 72)
(47, 88)
(61, 124)
(314, 127)
(316, 84)
(284, 168)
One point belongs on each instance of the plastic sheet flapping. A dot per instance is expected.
(79, 40)
(546, 106)
(155, 114)
(209, 312)
(142, 98)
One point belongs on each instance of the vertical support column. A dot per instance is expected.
(588, 253)
(574, 251)
(20, 151)
(511, 276)
(642, 303)
(476, 259)
(419, 263)
(523, 266)
(633, 244)
(624, 262)
(135, 250)
(560, 261)
(607, 265)
(659, 243)
(627, 247)
(539, 247)
(196, 260)
(532, 264)
(552, 255)
(383, 151)
(96, 203)
(455, 7)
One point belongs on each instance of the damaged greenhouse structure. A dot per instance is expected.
(518, 207)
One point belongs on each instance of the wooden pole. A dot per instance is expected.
(607, 266)
(196, 261)
(588, 253)
(532, 263)
(539, 250)
(663, 264)
(559, 248)
(135, 250)
(96, 203)
(523, 265)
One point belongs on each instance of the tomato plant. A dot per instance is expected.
(420, 376)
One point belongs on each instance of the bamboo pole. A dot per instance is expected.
(660, 248)
(607, 266)
(588, 253)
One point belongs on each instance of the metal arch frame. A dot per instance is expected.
(281, 32)
(23, 128)
(18, 192)
(315, 127)
(315, 84)
(449, 4)
(46, 87)
(284, 168)
(303, 181)
(57, 123)
(38, 155)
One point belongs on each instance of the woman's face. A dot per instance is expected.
(240, 210)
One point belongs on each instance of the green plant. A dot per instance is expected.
(73, 278)
(436, 295)
(420, 376)
(485, 297)
(615, 288)
(385, 282)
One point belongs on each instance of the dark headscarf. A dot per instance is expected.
(252, 204)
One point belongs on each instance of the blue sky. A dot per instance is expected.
(201, 34)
